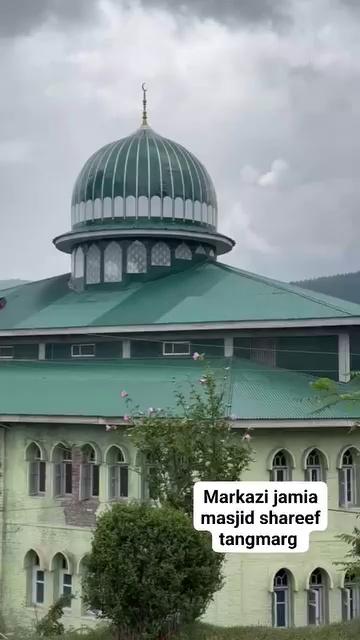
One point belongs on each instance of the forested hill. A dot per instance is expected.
(344, 285)
(9, 284)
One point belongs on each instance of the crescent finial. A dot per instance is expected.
(144, 115)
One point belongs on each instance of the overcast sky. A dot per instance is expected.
(265, 92)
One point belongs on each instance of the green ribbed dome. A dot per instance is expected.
(144, 176)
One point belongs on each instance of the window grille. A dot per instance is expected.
(93, 265)
(113, 263)
(160, 255)
(136, 258)
(183, 252)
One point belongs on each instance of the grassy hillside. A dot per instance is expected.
(344, 285)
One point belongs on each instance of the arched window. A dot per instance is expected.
(200, 250)
(118, 474)
(318, 596)
(35, 577)
(63, 579)
(314, 466)
(136, 258)
(113, 263)
(351, 597)
(36, 469)
(160, 255)
(93, 265)
(62, 471)
(183, 252)
(79, 263)
(281, 470)
(89, 473)
(349, 479)
(282, 599)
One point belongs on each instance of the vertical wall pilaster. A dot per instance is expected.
(126, 349)
(228, 347)
(344, 357)
(3, 431)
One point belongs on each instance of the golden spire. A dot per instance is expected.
(144, 115)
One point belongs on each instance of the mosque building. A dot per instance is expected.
(146, 291)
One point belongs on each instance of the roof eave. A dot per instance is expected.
(186, 326)
(66, 242)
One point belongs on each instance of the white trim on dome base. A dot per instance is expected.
(66, 242)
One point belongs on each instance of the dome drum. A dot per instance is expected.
(115, 261)
(138, 208)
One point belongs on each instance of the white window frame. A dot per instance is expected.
(173, 345)
(280, 469)
(351, 601)
(80, 346)
(318, 598)
(114, 474)
(314, 472)
(87, 471)
(349, 481)
(10, 356)
(115, 477)
(35, 470)
(60, 470)
(63, 573)
(35, 582)
(285, 604)
(318, 593)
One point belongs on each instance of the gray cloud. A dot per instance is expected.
(229, 11)
(19, 17)
(273, 114)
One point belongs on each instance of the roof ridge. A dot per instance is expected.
(304, 293)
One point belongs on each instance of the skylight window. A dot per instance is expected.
(176, 348)
(82, 350)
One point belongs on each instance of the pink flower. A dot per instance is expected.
(124, 394)
(127, 418)
(196, 356)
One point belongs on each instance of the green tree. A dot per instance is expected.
(50, 625)
(352, 563)
(330, 394)
(196, 442)
(149, 571)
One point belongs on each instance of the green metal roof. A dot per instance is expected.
(142, 164)
(93, 388)
(208, 292)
